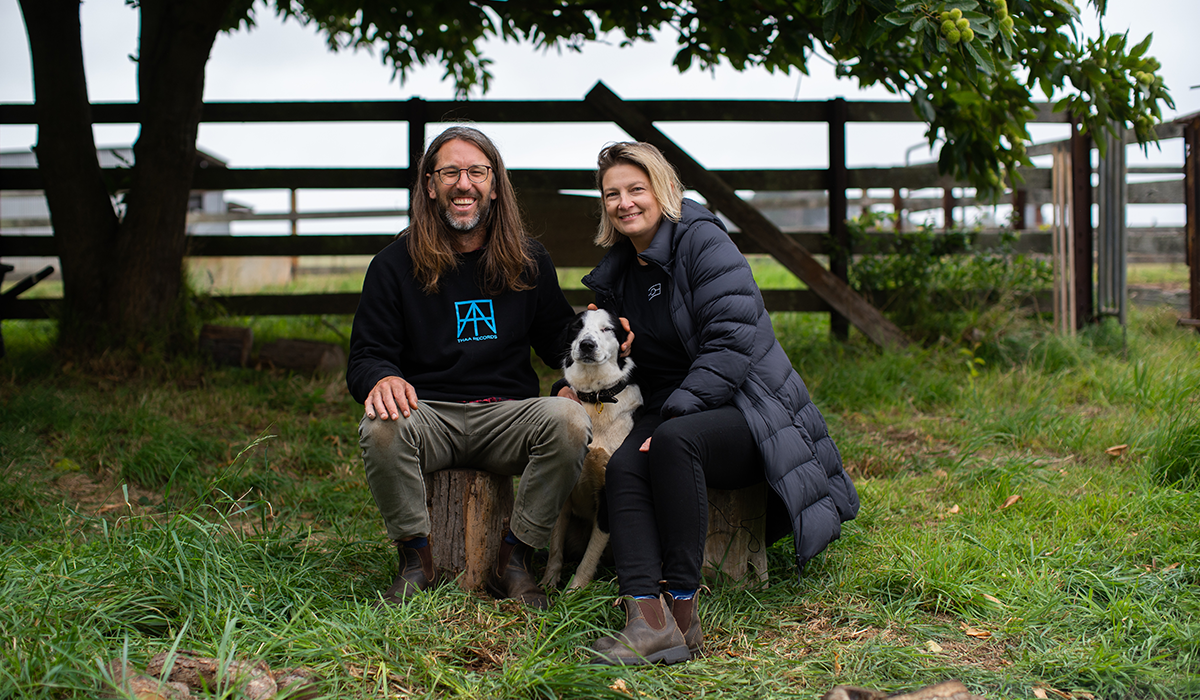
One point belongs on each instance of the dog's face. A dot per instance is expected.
(595, 339)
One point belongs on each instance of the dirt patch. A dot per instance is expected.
(93, 497)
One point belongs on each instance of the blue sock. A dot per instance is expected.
(682, 593)
(644, 597)
(416, 542)
(510, 538)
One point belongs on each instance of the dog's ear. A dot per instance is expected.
(566, 338)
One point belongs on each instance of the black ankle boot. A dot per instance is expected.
(417, 574)
(512, 576)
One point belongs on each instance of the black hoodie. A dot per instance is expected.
(459, 344)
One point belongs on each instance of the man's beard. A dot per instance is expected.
(481, 213)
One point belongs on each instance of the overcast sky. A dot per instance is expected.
(285, 61)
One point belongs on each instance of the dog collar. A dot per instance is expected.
(603, 396)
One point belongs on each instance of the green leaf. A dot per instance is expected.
(897, 18)
(983, 59)
(1140, 48)
(966, 97)
(924, 107)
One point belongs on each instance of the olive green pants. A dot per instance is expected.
(542, 440)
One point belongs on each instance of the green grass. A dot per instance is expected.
(224, 510)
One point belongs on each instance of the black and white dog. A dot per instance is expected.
(597, 373)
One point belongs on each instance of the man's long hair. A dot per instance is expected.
(508, 262)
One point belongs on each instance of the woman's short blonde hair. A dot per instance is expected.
(665, 184)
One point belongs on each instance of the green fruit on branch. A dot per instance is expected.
(962, 24)
(947, 26)
(944, 16)
(1006, 25)
(953, 36)
(968, 35)
(956, 14)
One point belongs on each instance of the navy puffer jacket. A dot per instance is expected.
(719, 314)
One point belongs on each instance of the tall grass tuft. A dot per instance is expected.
(1175, 459)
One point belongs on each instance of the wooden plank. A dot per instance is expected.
(865, 317)
(346, 303)
(301, 178)
(800, 300)
(227, 345)
(286, 246)
(1191, 165)
(508, 111)
(914, 177)
(1081, 218)
(565, 228)
(839, 232)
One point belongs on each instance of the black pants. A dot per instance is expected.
(657, 504)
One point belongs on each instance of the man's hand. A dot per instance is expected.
(627, 346)
(391, 397)
(568, 393)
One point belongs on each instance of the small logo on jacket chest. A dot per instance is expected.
(655, 290)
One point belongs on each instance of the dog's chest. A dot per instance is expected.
(611, 422)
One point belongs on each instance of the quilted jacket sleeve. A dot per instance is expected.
(718, 319)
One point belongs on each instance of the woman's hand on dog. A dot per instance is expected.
(626, 347)
(391, 397)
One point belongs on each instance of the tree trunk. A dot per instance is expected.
(122, 278)
(148, 290)
(81, 209)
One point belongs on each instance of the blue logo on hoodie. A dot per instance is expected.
(470, 314)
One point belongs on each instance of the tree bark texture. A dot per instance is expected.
(176, 38)
(122, 278)
(81, 209)
(468, 510)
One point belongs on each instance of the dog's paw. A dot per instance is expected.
(550, 578)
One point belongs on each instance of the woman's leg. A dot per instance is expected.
(631, 517)
(688, 454)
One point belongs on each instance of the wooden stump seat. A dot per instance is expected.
(735, 551)
(468, 510)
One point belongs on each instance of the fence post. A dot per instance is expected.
(839, 258)
(1017, 221)
(1081, 219)
(1191, 198)
(948, 208)
(417, 117)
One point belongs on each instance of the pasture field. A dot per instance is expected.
(1030, 525)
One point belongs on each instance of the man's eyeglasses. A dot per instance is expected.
(475, 173)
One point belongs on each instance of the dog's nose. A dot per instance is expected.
(587, 346)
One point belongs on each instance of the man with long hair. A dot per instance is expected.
(449, 312)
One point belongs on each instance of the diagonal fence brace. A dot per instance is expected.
(751, 221)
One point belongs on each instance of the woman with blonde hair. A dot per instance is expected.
(723, 406)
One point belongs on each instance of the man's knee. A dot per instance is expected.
(567, 422)
(387, 436)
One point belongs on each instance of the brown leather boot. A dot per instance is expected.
(417, 574)
(650, 636)
(512, 577)
(687, 618)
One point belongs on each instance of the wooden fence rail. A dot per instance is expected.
(564, 223)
